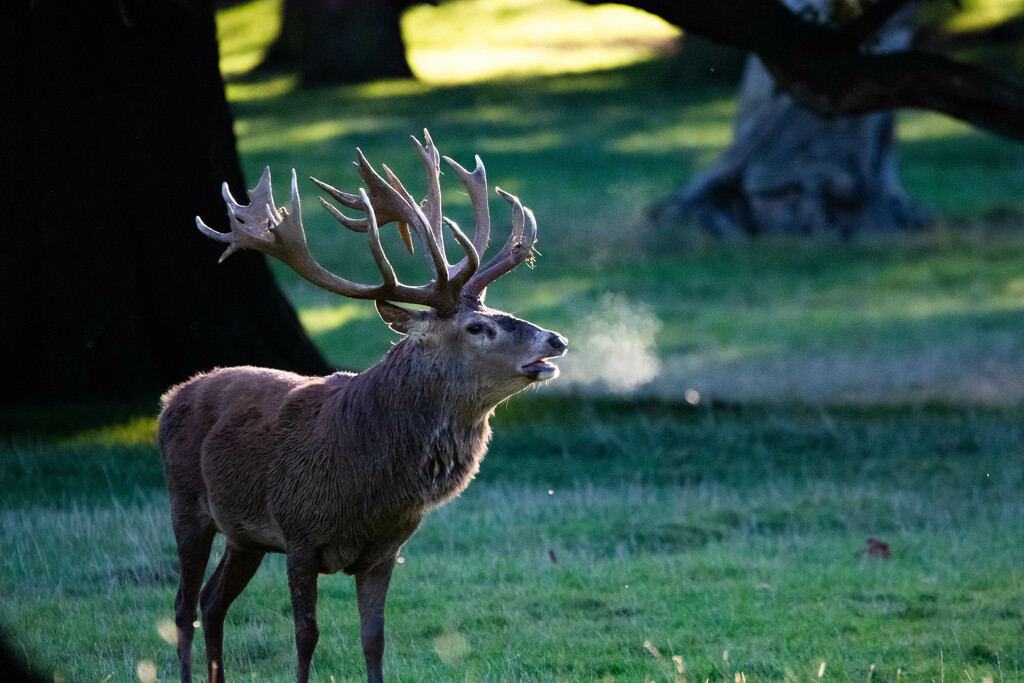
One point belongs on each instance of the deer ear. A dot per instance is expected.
(401, 320)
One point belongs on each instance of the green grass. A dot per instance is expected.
(843, 391)
(696, 530)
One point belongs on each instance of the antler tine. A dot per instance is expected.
(394, 201)
(476, 186)
(244, 234)
(432, 165)
(471, 260)
(518, 248)
(353, 224)
(383, 265)
(350, 200)
(278, 232)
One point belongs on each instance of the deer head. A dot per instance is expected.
(456, 318)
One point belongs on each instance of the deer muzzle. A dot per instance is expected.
(540, 369)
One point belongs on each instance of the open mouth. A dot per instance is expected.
(539, 370)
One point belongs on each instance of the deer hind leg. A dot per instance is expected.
(194, 535)
(232, 575)
(302, 577)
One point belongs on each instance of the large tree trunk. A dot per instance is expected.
(341, 41)
(790, 171)
(117, 135)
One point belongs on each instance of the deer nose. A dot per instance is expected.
(557, 342)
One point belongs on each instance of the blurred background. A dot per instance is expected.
(596, 117)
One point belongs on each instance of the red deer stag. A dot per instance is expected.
(337, 472)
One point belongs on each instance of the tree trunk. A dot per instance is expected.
(118, 135)
(790, 171)
(341, 41)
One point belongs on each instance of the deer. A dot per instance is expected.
(337, 472)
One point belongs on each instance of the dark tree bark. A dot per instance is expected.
(790, 171)
(341, 41)
(117, 134)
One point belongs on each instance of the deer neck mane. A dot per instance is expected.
(444, 431)
(422, 382)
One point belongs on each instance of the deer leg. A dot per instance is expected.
(302, 577)
(231, 576)
(194, 536)
(371, 590)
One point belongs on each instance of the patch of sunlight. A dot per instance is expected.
(259, 90)
(451, 647)
(506, 115)
(392, 88)
(255, 136)
(328, 318)
(911, 309)
(522, 144)
(557, 294)
(146, 671)
(1015, 289)
(138, 430)
(598, 81)
(672, 138)
(167, 630)
(473, 40)
(929, 126)
(981, 13)
(244, 32)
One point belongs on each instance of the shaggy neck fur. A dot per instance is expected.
(435, 450)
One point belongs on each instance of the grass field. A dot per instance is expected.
(693, 499)
(595, 547)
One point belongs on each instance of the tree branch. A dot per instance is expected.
(854, 32)
(1005, 33)
(850, 84)
(825, 71)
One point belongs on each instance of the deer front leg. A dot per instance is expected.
(371, 590)
(302, 576)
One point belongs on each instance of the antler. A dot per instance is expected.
(278, 232)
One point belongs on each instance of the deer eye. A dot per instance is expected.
(474, 328)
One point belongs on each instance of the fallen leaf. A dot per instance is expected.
(878, 549)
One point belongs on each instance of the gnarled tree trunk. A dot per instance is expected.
(117, 134)
(789, 171)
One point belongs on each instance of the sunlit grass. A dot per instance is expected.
(244, 31)
(980, 13)
(919, 125)
(711, 134)
(133, 432)
(320, 320)
(238, 91)
(473, 40)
